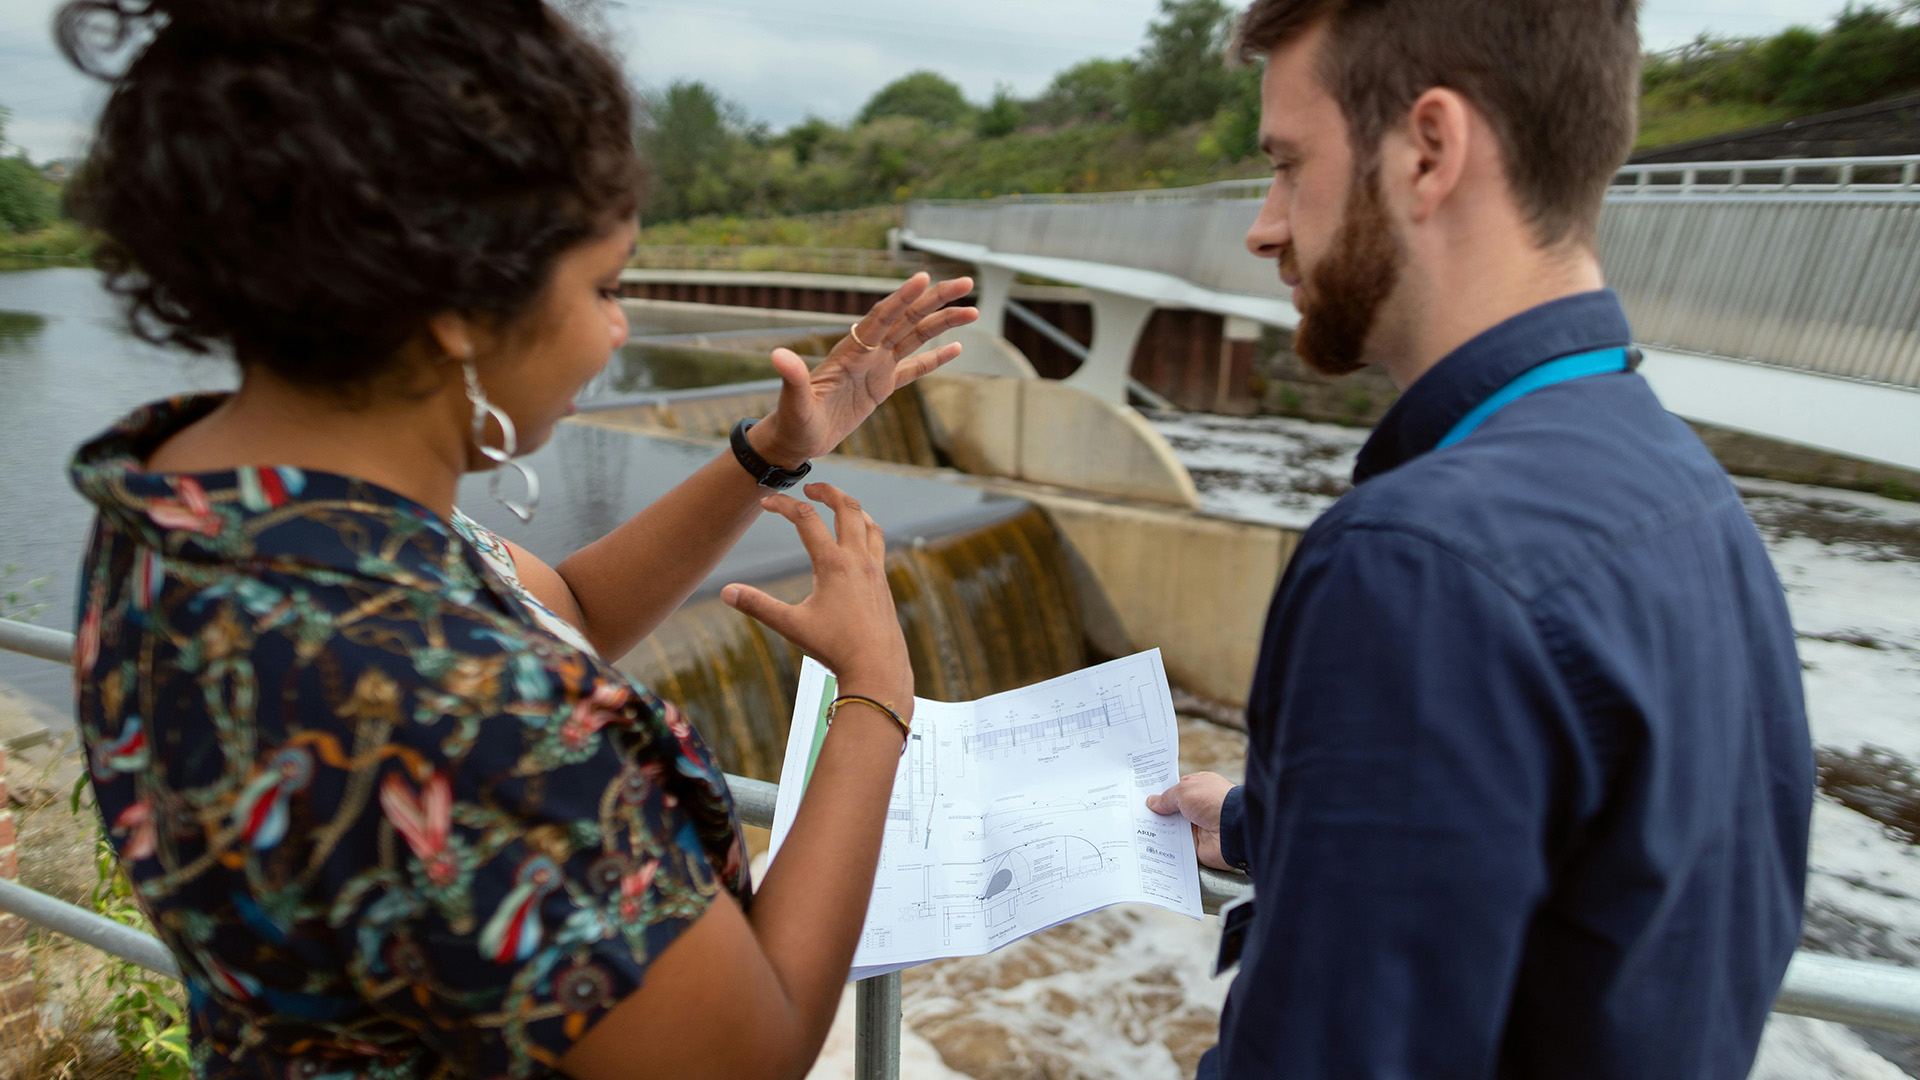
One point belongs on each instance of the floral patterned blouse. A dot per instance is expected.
(390, 824)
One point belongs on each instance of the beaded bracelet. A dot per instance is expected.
(906, 729)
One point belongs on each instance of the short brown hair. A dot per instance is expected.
(1559, 80)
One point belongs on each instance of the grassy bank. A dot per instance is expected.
(1664, 122)
(64, 243)
(851, 229)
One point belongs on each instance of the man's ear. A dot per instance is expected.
(1438, 142)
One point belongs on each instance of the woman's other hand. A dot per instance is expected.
(781, 965)
(818, 409)
(849, 622)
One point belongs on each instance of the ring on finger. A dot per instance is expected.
(858, 340)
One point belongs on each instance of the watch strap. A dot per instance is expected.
(764, 472)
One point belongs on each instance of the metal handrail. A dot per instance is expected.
(1631, 180)
(1787, 173)
(36, 641)
(1219, 189)
(1832, 988)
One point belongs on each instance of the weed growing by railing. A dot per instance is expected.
(146, 1012)
(16, 601)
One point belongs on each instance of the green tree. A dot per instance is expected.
(1870, 53)
(1784, 59)
(887, 157)
(1182, 75)
(693, 136)
(1003, 117)
(923, 95)
(1093, 90)
(28, 200)
(1234, 134)
(805, 137)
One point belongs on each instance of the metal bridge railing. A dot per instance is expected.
(1823, 987)
(1852, 176)
(1782, 176)
(1221, 190)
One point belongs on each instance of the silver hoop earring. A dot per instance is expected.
(503, 458)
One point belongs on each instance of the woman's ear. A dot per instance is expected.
(456, 335)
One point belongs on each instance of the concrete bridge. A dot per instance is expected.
(1779, 298)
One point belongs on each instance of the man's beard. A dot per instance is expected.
(1349, 286)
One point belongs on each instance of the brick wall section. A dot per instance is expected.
(779, 297)
(17, 1016)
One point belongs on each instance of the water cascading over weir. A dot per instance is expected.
(1032, 527)
(988, 606)
(985, 586)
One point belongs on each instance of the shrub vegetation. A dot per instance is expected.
(28, 200)
(1174, 114)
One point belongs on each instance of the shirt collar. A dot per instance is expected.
(264, 515)
(1483, 367)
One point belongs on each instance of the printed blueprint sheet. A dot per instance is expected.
(1016, 812)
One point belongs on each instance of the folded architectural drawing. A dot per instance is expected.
(1016, 812)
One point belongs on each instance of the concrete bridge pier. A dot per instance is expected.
(992, 288)
(1118, 322)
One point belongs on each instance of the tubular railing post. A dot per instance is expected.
(876, 1028)
(36, 641)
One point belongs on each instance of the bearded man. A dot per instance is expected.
(1530, 779)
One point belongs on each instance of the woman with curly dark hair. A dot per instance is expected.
(368, 766)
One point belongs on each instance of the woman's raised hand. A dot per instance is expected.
(818, 409)
(849, 622)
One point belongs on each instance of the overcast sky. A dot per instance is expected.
(783, 59)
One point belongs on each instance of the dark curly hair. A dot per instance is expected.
(308, 181)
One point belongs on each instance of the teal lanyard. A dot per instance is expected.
(1565, 369)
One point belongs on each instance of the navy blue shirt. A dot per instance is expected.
(1529, 782)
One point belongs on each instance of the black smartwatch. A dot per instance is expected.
(767, 474)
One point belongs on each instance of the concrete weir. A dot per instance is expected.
(1138, 556)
